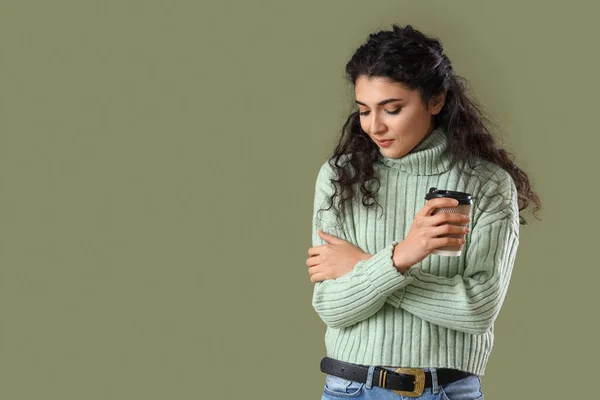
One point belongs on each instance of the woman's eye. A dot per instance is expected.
(394, 112)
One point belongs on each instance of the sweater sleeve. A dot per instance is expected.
(470, 302)
(360, 293)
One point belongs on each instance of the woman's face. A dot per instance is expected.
(390, 110)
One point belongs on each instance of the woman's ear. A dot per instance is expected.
(436, 104)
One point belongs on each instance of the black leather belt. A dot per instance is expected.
(408, 382)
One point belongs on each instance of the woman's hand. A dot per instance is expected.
(333, 259)
(423, 238)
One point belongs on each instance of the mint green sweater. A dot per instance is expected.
(441, 312)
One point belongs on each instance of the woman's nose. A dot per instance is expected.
(376, 126)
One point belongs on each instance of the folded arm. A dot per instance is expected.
(469, 302)
(360, 293)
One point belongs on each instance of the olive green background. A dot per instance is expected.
(157, 169)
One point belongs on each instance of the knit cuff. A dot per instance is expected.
(381, 272)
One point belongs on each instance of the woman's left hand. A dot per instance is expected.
(334, 259)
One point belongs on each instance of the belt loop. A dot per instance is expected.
(434, 381)
(369, 382)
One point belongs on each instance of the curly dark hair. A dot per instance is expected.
(408, 56)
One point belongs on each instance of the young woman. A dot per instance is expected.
(402, 321)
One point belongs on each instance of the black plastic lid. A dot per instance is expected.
(463, 198)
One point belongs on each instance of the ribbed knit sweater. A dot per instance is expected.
(440, 312)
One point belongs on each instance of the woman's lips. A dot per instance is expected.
(385, 143)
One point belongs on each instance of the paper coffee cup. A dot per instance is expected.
(465, 202)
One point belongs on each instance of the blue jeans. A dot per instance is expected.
(468, 388)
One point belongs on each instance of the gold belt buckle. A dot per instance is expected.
(419, 382)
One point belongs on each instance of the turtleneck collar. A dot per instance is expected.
(427, 158)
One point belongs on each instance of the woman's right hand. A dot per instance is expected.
(423, 238)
